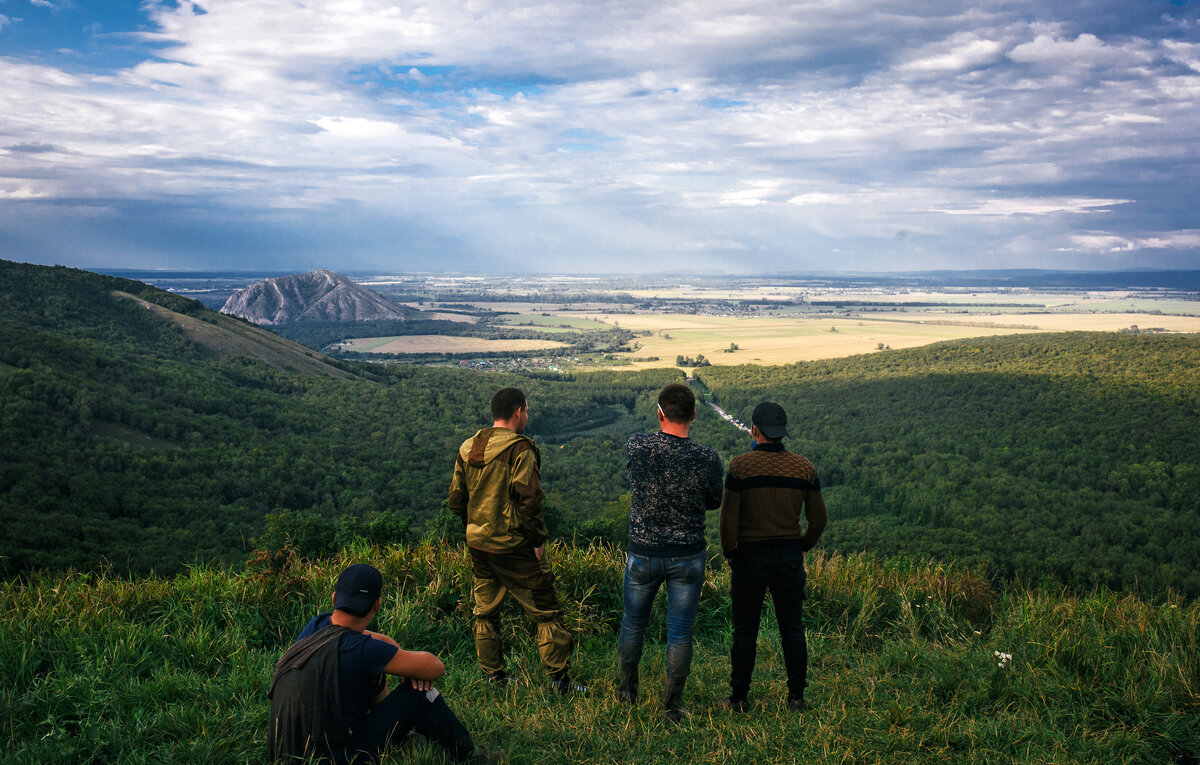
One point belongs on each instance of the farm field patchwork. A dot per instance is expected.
(551, 322)
(783, 340)
(444, 344)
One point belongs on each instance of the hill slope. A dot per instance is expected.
(151, 432)
(903, 668)
(225, 336)
(320, 296)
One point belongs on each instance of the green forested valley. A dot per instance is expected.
(142, 431)
(1069, 456)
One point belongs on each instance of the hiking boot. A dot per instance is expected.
(627, 691)
(797, 704)
(673, 699)
(500, 679)
(734, 705)
(565, 686)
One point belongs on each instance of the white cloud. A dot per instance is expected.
(820, 198)
(964, 53)
(1132, 119)
(1032, 206)
(20, 192)
(1084, 50)
(712, 245)
(1111, 243)
(736, 122)
(1186, 53)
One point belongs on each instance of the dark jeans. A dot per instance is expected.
(406, 709)
(757, 568)
(684, 577)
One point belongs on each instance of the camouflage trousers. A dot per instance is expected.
(531, 583)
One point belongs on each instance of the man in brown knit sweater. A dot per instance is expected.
(762, 537)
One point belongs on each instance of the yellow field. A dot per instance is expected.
(443, 344)
(779, 340)
(1066, 322)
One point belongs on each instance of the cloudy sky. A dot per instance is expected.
(600, 135)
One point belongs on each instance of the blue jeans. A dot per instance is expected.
(684, 577)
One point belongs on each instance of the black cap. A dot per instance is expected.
(770, 419)
(358, 588)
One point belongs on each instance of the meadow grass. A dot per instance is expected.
(904, 666)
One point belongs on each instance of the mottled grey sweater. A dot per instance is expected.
(672, 482)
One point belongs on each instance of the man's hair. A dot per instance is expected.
(677, 402)
(352, 611)
(506, 402)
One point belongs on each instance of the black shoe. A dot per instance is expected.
(735, 705)
(565, 685)
(627, 684)
(797, 704)
(673, 709)
(500, 679)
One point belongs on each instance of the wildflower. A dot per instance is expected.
(1004, 659)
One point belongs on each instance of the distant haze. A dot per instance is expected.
(574, 136)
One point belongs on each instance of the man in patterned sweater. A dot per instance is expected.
(761, 537)
(673, 481)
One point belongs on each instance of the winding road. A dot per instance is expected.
(728, 417)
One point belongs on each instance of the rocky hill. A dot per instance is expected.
(316, 296)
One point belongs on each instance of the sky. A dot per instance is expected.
(600, 136)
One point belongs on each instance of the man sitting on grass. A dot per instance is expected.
(329, 696)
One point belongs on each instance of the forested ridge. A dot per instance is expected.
(1073, 456)
(125, 442)
(1068, 456)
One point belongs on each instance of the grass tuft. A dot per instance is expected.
(907, 664)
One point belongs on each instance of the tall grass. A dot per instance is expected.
(904, 666)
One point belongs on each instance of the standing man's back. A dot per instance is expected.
(769, 492)
(673, 483)
(497, 493)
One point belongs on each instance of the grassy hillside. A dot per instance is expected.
(229, 337)
(904, 667)
(151, 432)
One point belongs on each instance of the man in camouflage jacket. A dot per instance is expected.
(497, 493)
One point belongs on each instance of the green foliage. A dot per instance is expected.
(1072, 456)
(314, 536)
(904, 666)
(610, 524)
(125, 442)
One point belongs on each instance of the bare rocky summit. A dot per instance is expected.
(316, 296)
